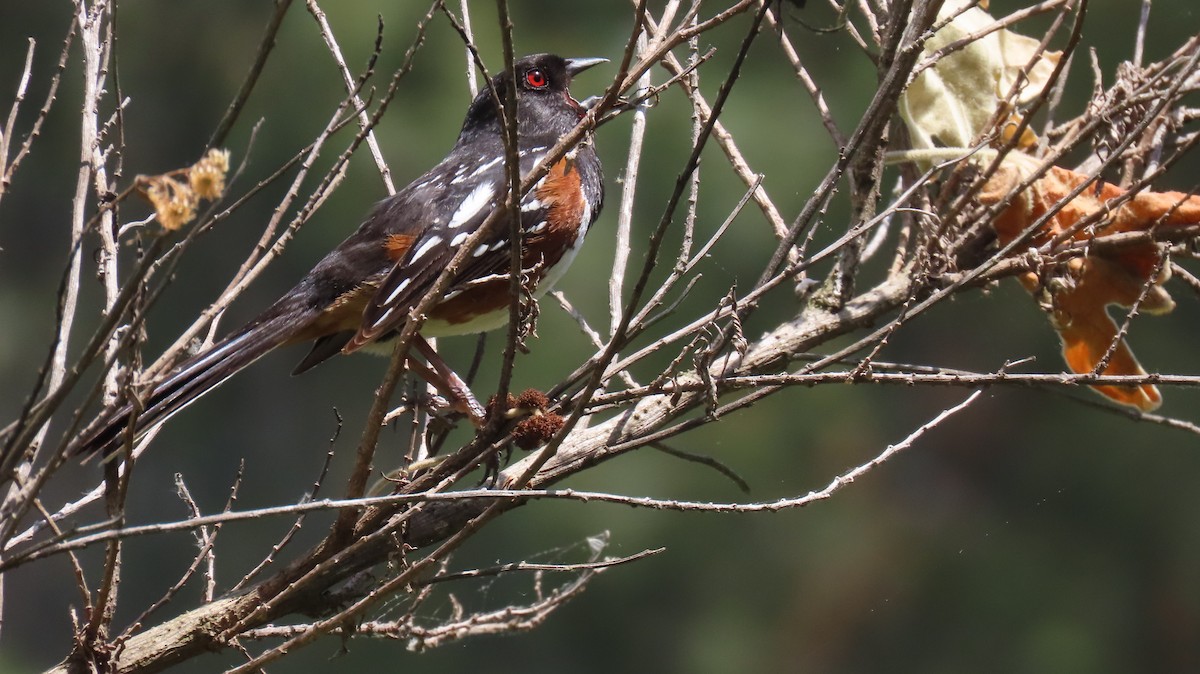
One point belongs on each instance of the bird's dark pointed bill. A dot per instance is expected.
(576, 66)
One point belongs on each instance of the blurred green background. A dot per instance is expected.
(1029, 533)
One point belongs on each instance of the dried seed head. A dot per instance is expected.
(207, 176)
(537, 430)
(174, 203)
(532, 399)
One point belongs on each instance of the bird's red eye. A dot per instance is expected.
(536, 78)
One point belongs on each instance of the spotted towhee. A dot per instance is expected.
(361, 293)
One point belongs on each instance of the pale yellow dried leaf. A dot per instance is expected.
(953, 103)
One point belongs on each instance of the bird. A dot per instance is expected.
(358, 297)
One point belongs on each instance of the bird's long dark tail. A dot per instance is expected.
(196, 376)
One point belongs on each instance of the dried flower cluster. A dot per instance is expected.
(174, 201)
(537, 424)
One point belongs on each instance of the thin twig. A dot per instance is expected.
(352, 88)
(265, 45)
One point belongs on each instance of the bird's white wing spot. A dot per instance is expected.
(395, 293)
(425, 248)
(475, 201)
(383, 317)
(486, 165)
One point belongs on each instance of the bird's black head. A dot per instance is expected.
(544, 105)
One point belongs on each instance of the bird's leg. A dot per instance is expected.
(448, 397)
(446, 381)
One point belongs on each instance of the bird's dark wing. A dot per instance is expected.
(459, 200)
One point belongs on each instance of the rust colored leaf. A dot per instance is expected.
(1077, 294)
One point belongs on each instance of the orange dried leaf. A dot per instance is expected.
(1081, 291)
(1142, 212)
(1079, 313)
